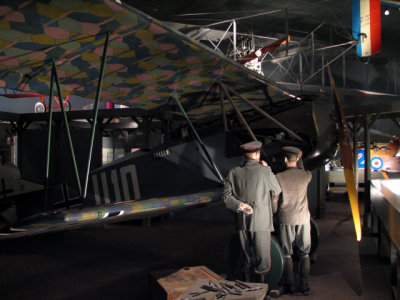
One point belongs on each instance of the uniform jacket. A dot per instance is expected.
(293, 204)
(256, 185)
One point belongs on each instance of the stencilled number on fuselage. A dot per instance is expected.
(113, 181)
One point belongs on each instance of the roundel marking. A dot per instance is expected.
(376, 163)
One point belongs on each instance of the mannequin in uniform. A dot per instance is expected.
(294, 218)
(248, 191)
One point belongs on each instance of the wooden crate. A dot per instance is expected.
(178, 282)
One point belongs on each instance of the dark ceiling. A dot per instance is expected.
(303, 17)
(333, 18)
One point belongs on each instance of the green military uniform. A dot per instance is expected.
(256, 185)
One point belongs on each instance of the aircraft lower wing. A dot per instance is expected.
(69, 219)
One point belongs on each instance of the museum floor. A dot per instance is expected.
(114, 261)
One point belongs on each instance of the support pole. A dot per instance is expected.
(344, 70)
(218, 173)
(269, 117)
(313, 52)
(301, 69)
(287, 30)
(96, 110)
(234, 40)
(71, 147)
(320, 192)
(223, 111)
(394, 76)
(367, 170)
(241, 118)
(46, 178)
(322, 69)
(355, 151)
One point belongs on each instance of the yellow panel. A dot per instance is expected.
(144, 34)
(90, 57)
(88, 39)
(79, 75)
(49, 11)
(146, 65)
(43, 39)
(3, 44)
(179, 63)
(106, 84)
(155, 52)
(101, 10)
(130, 53)
(132, 80)
(4, 24)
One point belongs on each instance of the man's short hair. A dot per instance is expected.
(291, 157)
(291, 153)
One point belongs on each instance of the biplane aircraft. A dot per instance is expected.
(208, 104)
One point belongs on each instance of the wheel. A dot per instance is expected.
(232, 261)
(67, 106)
(314, 236)
(39, 107)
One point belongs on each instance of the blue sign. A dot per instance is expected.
(376, 162)
(361, 159)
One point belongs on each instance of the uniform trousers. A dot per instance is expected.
(256, 247)
(299, 235)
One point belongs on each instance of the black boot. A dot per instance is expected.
(289, 276)
(260, 278)
(304, 274)
(247, 276)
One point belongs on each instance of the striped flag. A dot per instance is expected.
(367, 26)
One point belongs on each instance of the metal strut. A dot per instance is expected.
(96, 110)
(71, 147)
(242, 119)
(46, 178)
(223, 111)
(268, 116)
(218, 173)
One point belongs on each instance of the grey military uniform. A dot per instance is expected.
(255, 185)
(293, 207)
(293, 212)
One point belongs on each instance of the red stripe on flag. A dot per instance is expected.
(375, 25)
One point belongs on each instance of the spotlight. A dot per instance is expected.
(387, 12)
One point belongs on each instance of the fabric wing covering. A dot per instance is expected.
(146, 60)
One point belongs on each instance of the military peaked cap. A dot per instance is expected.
(251, 147)
(291, 150)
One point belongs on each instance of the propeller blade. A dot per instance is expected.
(347, 159)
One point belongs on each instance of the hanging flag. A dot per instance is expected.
(367, 26)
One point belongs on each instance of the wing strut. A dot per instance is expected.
(241, 118)
(46, 178)
(347, 159)
(71, 147)
(96, 110)
(223, 110)
(268, 116)
(218, 173)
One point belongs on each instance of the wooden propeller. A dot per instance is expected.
(347, 159)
